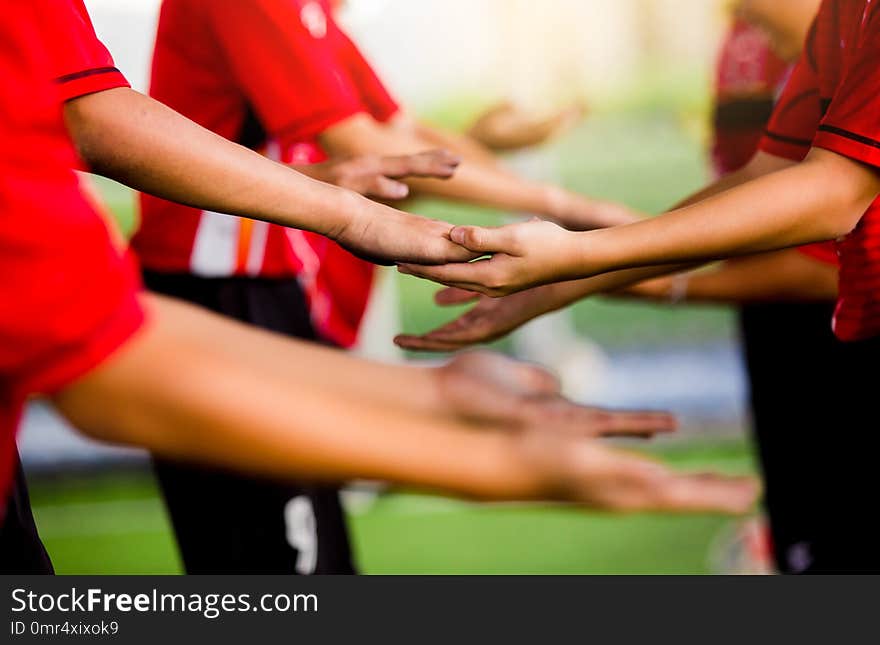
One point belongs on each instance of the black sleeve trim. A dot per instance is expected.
(85, 74)
(790, 140)
(850, 135)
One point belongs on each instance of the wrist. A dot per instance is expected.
(555, 203)
(343, 214)
(586, 254)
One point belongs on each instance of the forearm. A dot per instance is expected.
(197, 401)
(820, 199)
(559, 295)
(317, 365)
(761, 164)
(474, 182)
(779, 276)
(141, 143)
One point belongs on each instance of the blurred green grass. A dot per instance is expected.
(116, 524)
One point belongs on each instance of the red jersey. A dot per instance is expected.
(80, 63)
(271, 75)
(832, 101)
(70, 295)
(749, 77)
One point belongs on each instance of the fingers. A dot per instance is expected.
(474, 276)
(625, 482)
(555, 413)
(468, 329)
(384, 188)
(612, 423)
(434, 163)
(424, 344)
(486, 240)
(451, 296)
(706, 493)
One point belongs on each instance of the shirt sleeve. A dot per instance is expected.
(81, 64)
(851, 126)
(798, 110)
(292, 78)
(70, 296)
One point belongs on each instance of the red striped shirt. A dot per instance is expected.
(69, 295)
(832, 101)
(271, 75)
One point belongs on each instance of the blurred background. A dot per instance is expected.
(644, 68)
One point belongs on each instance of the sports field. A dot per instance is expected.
(648, 154)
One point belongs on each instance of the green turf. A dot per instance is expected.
(115, 524)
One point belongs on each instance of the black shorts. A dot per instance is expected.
(229, 523)
(817, 436)
(21, 550)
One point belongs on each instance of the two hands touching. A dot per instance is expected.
(384, 235)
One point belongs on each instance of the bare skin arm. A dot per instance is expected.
(789, 276)
(475, 181)
(379, 177)
(820, 199)
(137, 141)
(203, 401)
(778, 276)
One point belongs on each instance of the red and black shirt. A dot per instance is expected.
(832, 101)
(69, 294)
(271, 75)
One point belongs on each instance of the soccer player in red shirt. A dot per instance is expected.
(137, 141)
(281, 77)
(143, 370)
(812, 180)
(786, 302)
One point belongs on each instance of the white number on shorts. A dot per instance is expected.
(302, 533)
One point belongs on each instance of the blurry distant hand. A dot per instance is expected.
(378, 177)
(507, 127)
(589, 472)
(492, 388)
(488, 320)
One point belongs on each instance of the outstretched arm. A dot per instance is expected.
(819, 199)
(137, 141)
(475, 181)
(226, 405)
(780, 275)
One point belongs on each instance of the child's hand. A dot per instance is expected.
(589, 472)
(389, 236)
(381, 177)
(492, 389)
(489, 320)
(523, 256)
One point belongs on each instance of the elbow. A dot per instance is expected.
(849, 189)
(84, 125)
